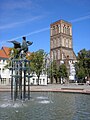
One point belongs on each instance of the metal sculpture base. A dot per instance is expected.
(20, 79)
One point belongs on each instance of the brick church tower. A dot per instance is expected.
(61, 44)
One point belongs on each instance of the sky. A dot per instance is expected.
(32, 18)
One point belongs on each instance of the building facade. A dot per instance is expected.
(5, 73)
(61, 44)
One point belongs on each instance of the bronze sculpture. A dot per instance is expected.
(21, 48)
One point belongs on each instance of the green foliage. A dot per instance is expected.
(83, 64)
(37, 62)
(57, 72)
(12, 53)
(62, 72)
(81, 73)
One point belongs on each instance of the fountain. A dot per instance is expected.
(42, 105)
(20, 71)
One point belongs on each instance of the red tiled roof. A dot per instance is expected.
(4, 52)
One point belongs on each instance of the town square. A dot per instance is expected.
(44, 60)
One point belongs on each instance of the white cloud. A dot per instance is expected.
(81, 18)
(19, 23)
(47, 28)
(34, 32)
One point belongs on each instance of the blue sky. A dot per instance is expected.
(32, 18)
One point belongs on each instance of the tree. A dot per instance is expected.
(49, 71)
(62, 72)
(12, 52)
(55, 70)
(83, 65)
(37, 62)
(81, 74)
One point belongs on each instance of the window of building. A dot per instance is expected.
(9, 80)
(3, 81)
(40, 81)
(58, 42)
(62, 41)
(62, 56)
(57, 29)
(33, 80)
(58, 54)
(43, 81)
(54, 52)
(67, 43)
(54, 42)
(65, 30)
(68, 30)
(3, 70)
(53, 30)
(70, 44)
(37, 81)
(3, 61)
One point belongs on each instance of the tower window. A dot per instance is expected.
(68, 30)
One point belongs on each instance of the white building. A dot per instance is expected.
(72, 72)
(42, 79)
(5, 73)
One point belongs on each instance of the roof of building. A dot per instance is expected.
(60, 21)
(4, 52)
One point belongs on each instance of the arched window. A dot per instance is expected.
(67, 43)
(70, 43)
(54, 42)
(63, 41)
(54, 55)
(68, 30)
(3, 70)
(58, 42)
(58, 54)
(57, 29)
(65, 30)
(67, 56)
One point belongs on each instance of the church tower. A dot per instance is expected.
(61, 44)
